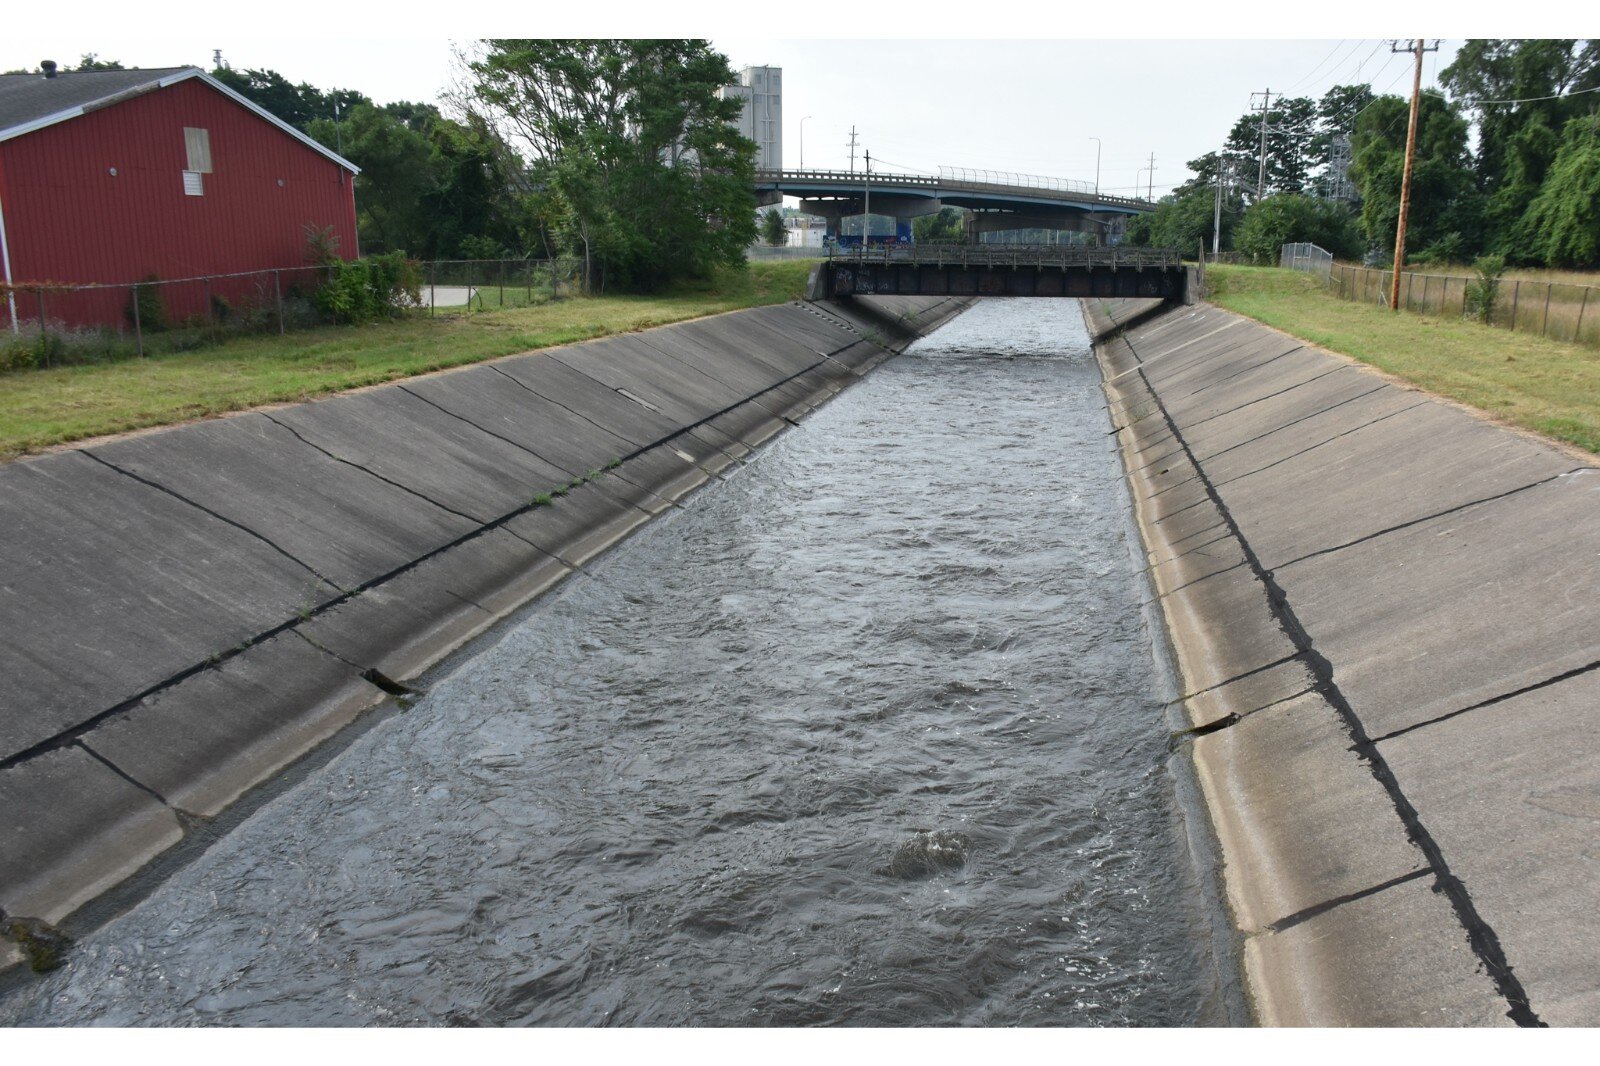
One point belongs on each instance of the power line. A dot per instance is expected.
(1529, 100)
(1307, 76)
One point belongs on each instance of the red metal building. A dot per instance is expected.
(118, 176)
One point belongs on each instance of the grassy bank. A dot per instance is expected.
(1541, 385)
(39, 408)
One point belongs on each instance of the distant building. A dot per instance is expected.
(122, 175)
(760, 89)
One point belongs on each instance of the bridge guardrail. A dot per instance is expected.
(1013, 255)
(938, 185)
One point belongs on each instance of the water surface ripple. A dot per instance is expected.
(867, 734)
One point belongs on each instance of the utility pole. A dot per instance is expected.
(1151, 180)
(1266, 104)
(852, 147)
(1096, 141)
(1405, 179)
(1216, 221)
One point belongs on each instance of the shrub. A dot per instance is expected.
(1292, 218)
(152, 309)
(1483, 290)
(365, 290)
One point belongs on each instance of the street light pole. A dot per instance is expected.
(1096, 141)
(803, 142)
(866, 207)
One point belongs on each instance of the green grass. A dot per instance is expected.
(41, 408)
(1540, 385)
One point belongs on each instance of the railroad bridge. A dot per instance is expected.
(997, 201)
(1003, 270)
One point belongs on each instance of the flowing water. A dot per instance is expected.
(869, 733)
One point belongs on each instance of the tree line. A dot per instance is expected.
(1528, 191)
(620, 153)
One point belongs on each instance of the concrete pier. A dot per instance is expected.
(1386, 612)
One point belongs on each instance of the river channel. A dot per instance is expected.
(870, 732)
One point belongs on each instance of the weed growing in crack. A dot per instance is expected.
(544, 499)
(613, 464)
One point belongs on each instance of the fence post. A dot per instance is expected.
(528, 277)
(502, 284)
(1577, 334)
(555, 292)
(138, 328)
(1516, 293)
(44, 330)
(1545, 324)
(277, 298)
(431, 300)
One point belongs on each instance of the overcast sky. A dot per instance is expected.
(1029, 106)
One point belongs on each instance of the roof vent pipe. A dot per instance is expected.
(49, 67)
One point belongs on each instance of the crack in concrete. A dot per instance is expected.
(268, 541)
(1307, 913)
(1303, 418)
(1565, 675)
(1428, 518)
(1330, 440)
(120, 772)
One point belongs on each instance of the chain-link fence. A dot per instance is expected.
(46, 324)
(1306, 257)
(1553, 309)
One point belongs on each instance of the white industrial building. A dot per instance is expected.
(761, 91)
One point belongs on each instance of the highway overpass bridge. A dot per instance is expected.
(998, 201)
(1003, 270)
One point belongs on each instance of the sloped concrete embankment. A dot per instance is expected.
(188, 611)
(1386, 611)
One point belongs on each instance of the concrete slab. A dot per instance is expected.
(405, 440)
(644, 375)
(735, 344)
(108, 587)
(1423, 461)
(1249, 693)
(578, 392)
(1207, 557)
(1439, 616)
(72, 829)
(344, 523)
(487, 400)
(668, 470)
(1305, 421)
(752, 422)
(858, 355)
(203, 742)
(1396, 959)
(579, 526)
(1511, 793)
(795, 321)
(1210, 654)
(1296, 371)
(1301, 818)
(413, 620)
(1212, 371)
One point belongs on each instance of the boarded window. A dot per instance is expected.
(198, 142)
(193, 184)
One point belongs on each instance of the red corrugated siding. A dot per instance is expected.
(69, 220)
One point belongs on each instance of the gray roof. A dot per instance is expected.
(26, 98)
(33, 101)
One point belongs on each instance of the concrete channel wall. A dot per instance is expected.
(1386, 613)
(190, 610)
